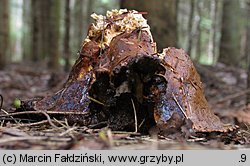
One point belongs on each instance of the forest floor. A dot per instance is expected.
(225, 90)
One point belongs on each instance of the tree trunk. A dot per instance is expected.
(230, 33)
(215, 27)
(4, 32)
(161, 16)
(90, 11)
(66, 36)
(45, 31)
(26, 40)
(190, 23)
(80, 22)
(212, 34)
(199, 32)
(44, 20)
(247, 51)
(54, 34)
(36, 30)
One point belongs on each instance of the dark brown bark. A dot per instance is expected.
(162, 17)
(4, 32)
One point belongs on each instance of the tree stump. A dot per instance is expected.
(120, 78)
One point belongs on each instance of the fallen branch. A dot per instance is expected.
(48, 112)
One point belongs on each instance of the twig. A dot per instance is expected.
(2, 123)
(189, 107)
(166, 66)
(33, 124)
(196, 139)
(48, 118)
(141, 123)
(176, 101)
(45, 113)
(248, 126)
(125, 132)
(94, 100)
(67, 131)
(141, 13)
(98, 124)
(122, 59)
(66, 122)
(10, 116)
(61, 123)
(245, 132)
(136, 129)
(192, 83)
(48, 112)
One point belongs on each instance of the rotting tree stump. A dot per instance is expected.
(120, 78)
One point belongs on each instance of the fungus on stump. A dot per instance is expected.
(120, 78)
